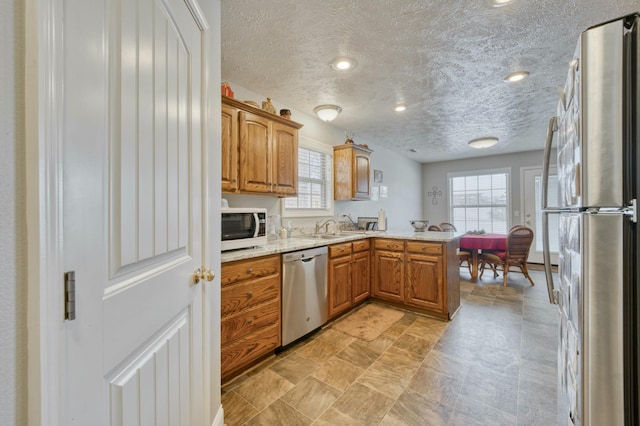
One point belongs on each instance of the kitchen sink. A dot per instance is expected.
(323, 236)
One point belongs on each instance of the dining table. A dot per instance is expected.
(475, 243)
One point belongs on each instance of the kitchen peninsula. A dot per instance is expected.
(409, 270)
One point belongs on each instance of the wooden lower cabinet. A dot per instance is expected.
(417, 274)
(348, 275)
(250, 312)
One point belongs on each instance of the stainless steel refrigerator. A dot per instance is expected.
(597, 125)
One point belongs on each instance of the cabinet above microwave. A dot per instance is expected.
(259, 151)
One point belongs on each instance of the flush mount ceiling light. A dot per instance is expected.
(516, 76)
(327, 112)
(343, 64)
(485, 142)
(499, 3)
(400, 108)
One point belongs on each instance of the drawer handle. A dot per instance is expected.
(250, 271)
(250, 322)
(250, 294)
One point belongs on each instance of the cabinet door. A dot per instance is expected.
(388, 275)
(285, 160)
(361, 174)
(229, 149)
(255, 153)
(339, 285)
(360, 276)
(425, 286)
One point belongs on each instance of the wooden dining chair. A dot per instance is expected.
(464, 256)
(434, 228)
(519, 242)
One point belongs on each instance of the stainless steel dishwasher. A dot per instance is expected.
(304, 292)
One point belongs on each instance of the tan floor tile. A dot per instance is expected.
(446, 364)
(363, 404)
(472, 413)
(264, 388)
(325, 346)
(338, 373)
(333, 417)
(413, 409)
(294, 368)
(359, 355)
(436, 386)
(311, 397)
(279, 413)
(236, 409)
(380, 344)
(414, 344)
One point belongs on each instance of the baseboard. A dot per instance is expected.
(219, 420)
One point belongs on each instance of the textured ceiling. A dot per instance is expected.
(445, 60)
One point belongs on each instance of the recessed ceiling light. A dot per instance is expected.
(484, 142)
(400, 108)
(499, 3)
(516, 76)
(343, 64)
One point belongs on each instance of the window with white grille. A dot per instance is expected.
(315, 188)
(480, 201)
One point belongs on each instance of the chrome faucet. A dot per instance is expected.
(325, 224)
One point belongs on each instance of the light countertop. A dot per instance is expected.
(304, 242)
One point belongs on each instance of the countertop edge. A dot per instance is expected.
(302, 243)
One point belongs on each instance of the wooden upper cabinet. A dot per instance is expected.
(255, 153)
(229, 158)
(352, 172)
(259, 151)
(285, 159)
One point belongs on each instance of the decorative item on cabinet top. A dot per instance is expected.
(254, 108)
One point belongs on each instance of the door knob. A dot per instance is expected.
(199, 274)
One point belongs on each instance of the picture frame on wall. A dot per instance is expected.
(377, 176)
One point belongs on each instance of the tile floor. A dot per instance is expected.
(494, 364)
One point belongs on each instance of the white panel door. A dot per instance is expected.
(532, 212)
(133, 212)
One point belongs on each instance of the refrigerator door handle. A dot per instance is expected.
(546, 253)
(551, 129)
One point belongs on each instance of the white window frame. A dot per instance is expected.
(325, 149)
(506, 171)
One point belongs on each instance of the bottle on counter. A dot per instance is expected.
(289, 229)
(283, 233)
(382, 220)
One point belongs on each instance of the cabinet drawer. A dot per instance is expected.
(242, 296)
(249, 348)
(339, 249)
(422, 247)
(386, 244)
(255, 268)
(361, 245)
(249, 321)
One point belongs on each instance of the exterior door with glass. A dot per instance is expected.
(532, 211)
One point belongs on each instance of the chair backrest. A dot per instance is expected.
(434, 228)
(519, 242)
(445, 226)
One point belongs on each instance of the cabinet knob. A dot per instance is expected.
(250, 294)
(250, 271)
(250, 322)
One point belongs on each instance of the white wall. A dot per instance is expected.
(401, 176)
(435, 174)
(13, 289)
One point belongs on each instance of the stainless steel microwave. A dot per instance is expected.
(243, 227)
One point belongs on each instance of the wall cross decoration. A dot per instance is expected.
(435, 193)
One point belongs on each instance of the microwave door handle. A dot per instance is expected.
(257, 219)
(546, 252)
